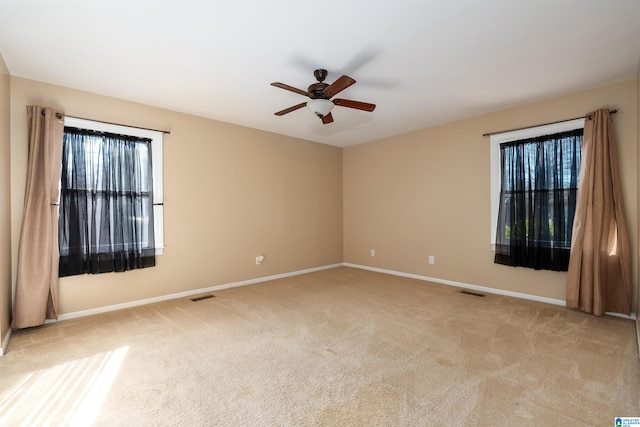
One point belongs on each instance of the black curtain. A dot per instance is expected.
(106, 203)
(538, 200)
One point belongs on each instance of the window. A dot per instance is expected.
(111, 208)
(535, 174)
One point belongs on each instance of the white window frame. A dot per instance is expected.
(515, 135)
(156, 163)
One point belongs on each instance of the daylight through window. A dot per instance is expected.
(535, 206)
(110, 215)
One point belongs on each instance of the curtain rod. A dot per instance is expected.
(544, 124)
(59, 117)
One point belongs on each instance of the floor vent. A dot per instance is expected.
(202, 297)
(475, 294)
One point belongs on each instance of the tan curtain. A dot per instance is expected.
(36, 296)
(599, 276)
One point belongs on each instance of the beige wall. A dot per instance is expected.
(5, 209)
(427, 193)
(231, 193)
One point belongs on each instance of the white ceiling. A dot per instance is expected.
(423, 62)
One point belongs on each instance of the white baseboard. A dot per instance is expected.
(477, 288)
(638, 333)
(5, 343)
(105, 309)
(108, 308)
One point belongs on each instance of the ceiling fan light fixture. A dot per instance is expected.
(320, 107)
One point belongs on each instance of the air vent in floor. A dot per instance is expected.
(202, 297)
(475, 294)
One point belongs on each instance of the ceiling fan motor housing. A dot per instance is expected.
(316, 89)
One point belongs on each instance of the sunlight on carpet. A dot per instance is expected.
(70, 393)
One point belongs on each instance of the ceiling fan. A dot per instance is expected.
(321, 94)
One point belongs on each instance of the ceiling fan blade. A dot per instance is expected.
(327, 118)
(290, 109)
(291, 88)
(365, 106)
(338, 86)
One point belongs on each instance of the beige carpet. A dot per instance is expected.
(341, 347)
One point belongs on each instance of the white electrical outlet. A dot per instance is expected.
(373, 252)
(432, 259)
(259, 259)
